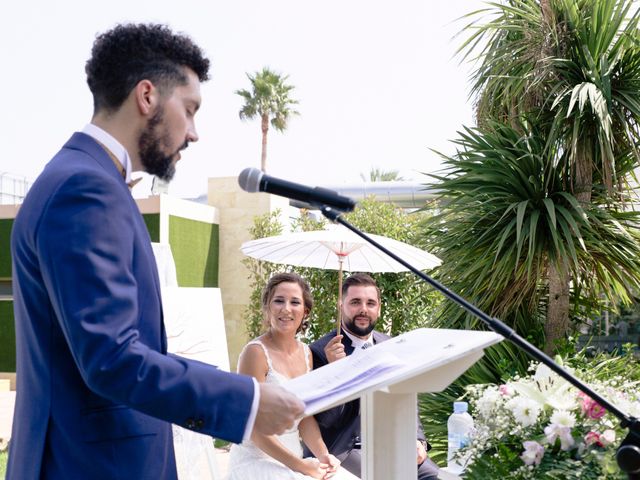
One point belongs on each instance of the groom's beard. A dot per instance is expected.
(350, 324)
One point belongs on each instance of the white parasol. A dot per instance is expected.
(337, 248)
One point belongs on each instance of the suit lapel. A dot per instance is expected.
(348, 345)
(87, 144)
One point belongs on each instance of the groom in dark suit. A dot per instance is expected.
(96, 389)
(340, 426)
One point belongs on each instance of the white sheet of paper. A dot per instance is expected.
(386, 363)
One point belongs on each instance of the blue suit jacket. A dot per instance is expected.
(96, 390)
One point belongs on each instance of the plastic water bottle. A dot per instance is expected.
(459, 427)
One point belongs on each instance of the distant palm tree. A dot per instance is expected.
(268, 99)
(379, 175)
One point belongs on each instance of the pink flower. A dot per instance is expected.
(595, 411)
(591, 408)
(591, 438)
(607, 437)
(505, 391)
(601, 440)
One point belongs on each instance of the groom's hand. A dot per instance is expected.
(334, 350)
(277, 411)
(422, 451)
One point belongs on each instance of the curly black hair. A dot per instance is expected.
(129, 53)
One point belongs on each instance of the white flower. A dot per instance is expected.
(634, 409)
(524, 410)
(607, 437)
(547, 388)
(554, 431)
(533, 453)
(564, 418)
(488, 402)
(544, 374)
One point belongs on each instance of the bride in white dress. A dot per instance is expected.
(273, 358)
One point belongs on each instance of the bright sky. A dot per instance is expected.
(377, 82)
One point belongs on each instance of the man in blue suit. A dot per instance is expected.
(96, 389)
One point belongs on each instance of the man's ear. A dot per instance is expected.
(146, 97)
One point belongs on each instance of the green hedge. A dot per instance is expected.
(152, 220)
(7, 338)
(195, 247)
(5, 238)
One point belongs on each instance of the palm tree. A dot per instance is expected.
(269, 100)
(378, 175)
(563, 75)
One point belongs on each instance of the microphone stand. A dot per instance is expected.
(628, 454)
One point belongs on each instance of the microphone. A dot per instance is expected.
(253, 180)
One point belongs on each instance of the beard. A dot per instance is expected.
(350, 324)
(152, 145)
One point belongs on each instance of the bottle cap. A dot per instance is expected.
(460, 407)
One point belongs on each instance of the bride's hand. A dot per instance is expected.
(314, 468)
(332, 464)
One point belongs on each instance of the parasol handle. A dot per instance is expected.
(339, 315)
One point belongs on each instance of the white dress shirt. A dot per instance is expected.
(114, 146)
(357, 342)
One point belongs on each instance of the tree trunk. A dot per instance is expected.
(265, 129)
(547, 13)
(557, 321)
(583, 183)
(557, 324)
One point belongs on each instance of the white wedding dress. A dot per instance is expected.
(248, 462)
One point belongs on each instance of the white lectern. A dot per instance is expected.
(387, 378)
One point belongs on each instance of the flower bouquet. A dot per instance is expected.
(541, 427)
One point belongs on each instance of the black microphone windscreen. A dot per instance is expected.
(249, 179)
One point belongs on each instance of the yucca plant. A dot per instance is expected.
(572, 68)
(536, 223)
(505, 214)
